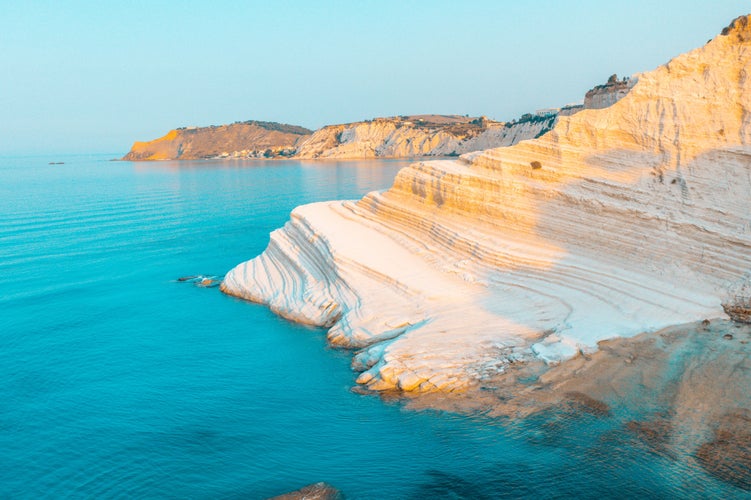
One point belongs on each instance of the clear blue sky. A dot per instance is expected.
(80, 76)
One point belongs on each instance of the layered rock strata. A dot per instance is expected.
(426, 135)
(620, 220)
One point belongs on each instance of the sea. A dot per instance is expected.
(118, 380)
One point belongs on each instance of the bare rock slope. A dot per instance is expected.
(424, 135)
(246, 139)
(393, 137)
(620, 220)
(396, 137)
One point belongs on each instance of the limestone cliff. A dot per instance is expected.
(245, 139)
(620, 220)
(396, 137)
(424, 135)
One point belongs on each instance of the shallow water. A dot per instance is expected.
(118, 381)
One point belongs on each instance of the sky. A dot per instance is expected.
(92, 77)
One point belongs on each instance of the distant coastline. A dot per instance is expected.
(406, 136)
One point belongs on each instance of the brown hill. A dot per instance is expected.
(251, 138)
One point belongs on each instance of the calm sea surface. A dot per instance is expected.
(116, 381)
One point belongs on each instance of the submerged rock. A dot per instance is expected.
(317, 491)
(655, 432)
(201, 280)
(588, 404)
(728, 455)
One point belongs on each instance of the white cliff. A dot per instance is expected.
(620, 220)
(433, 135)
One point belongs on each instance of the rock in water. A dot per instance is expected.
(637, 220)
(317, 491)
(728, 455)
(201, 280)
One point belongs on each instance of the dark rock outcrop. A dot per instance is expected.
(728, 455)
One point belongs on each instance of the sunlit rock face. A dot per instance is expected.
(395, 137)
(620, 220)
(252, 139)
(423, 135)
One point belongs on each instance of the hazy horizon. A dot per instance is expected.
(89, 78)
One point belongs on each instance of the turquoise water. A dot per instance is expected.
(119, 382)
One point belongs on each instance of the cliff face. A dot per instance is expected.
(426, 135)
(247, 139)
(620, 220)
(398, 137)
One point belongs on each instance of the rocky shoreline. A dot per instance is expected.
(682, 392)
